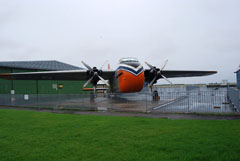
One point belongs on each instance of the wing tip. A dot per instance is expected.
(5, 74)
(213, 72)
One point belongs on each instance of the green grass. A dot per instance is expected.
(39, 136)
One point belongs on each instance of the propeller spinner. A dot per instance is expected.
(156, 72)
(95, 75)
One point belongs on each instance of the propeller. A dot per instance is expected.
(156, 72)
(95, 75)
(104, 64)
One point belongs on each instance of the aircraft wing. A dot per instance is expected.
(55, 75)
(176, 73)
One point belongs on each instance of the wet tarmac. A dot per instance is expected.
(171, 100)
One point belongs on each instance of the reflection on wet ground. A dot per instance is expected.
(179, 99)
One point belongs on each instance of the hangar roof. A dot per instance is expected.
(51, 65)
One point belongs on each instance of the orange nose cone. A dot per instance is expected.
(129, 82)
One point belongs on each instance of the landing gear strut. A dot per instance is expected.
(155, 96)
(92, 97)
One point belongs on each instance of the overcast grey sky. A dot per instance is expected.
(191, 34)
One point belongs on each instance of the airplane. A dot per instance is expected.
(129, 77)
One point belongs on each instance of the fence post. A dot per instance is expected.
(238, 100)
(188, 109)
(38, 107)
(146, 102)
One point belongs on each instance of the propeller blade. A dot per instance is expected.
(87, 66)
(103, 65)
(149, 65)
(104, 81)
(151, 89)
(88, 81)
(154, 79)
(166, 79)
(164, 65)
(157, 72)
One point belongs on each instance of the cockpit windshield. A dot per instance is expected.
(124, 60)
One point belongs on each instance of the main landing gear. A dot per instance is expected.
(155, 96)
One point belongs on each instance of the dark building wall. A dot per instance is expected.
(24, 86)
(69, 87)
(38, 86)
(5, 85)
(238, 79)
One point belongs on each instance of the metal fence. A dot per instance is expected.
(183, 100)
(234, 97)
(195, 102)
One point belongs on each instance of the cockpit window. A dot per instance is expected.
(123, 60)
